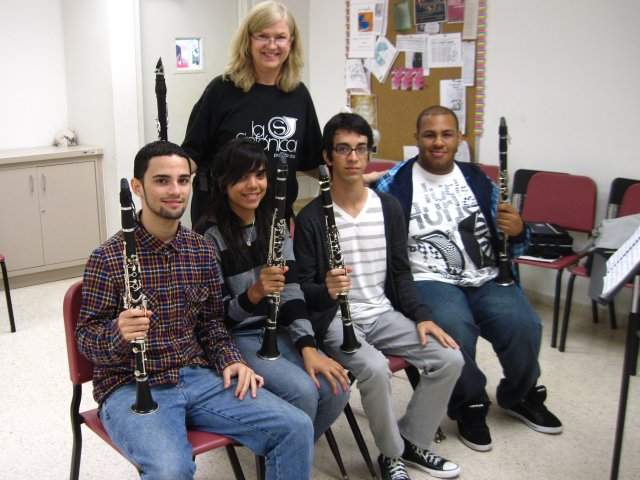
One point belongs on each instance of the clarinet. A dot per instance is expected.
(349, 342)
(269, 349)
(134, 298)
(504, 277)
(161, 101)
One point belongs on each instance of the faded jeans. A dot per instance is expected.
(157, 443)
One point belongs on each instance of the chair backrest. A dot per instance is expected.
(616, 194)
(566, 200)
(631, 201)
(80, 368)
(491, 171)
(521, 178)
(379, 165)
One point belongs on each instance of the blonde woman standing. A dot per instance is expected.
(260, 96)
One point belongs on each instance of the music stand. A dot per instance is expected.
(621, 267)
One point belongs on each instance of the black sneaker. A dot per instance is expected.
(429, 462)
(472, 427)
(531, 410)
(392, 468)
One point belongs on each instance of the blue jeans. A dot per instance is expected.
(287, 378)
(501, 315)
(157, 443)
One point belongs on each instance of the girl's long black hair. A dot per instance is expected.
(238, 157)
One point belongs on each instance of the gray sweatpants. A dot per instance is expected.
(394, 334)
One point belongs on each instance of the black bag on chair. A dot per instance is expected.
(549, 240)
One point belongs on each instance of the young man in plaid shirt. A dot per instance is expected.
(196, 373)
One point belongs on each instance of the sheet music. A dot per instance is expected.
(622, 265)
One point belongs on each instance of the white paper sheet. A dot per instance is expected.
(445, 50)
(380, 64)
(468, 63)
(356, 77)
(470, 27)
(453, 96)
(622, 265)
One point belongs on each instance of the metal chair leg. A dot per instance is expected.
(333, 445)
(235, 463)
(556, 309)
(260, 467)
(357, 434)
(7, 294)
(439, 436)
(413, 374)
(612, 315)
(567, 313)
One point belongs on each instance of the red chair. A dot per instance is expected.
(81, 371)
(7, 294)
(379, 165)
(629, 205)
(568, 201)
(491, 171)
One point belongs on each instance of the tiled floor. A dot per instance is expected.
(583, 384)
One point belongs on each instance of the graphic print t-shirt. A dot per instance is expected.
(281, 122)
(448, 234)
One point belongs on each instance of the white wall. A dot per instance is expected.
(161, 22)
(103, 58)
(33, 91)
(326, 57)
(563, 74)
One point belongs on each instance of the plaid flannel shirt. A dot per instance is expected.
(181, 282)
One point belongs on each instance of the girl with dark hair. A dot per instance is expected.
(237, 221)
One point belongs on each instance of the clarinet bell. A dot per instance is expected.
(144, 404)
(269, 349)
(350, 343)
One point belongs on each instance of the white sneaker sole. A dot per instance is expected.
(475, 446)
(434, 473)
(534, 426)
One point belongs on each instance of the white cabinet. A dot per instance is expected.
(51, 212)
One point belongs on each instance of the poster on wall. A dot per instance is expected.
(189, 54)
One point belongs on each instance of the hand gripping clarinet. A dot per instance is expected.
(349, 342)
(504, 277)
(269, 349)
(134, 298)
(161, 100)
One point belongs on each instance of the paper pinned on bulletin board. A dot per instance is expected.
(384, 56)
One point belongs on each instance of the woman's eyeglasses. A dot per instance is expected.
(280, 40)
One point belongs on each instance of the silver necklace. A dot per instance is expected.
(248, 238)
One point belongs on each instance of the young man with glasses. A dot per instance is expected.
(386, 310)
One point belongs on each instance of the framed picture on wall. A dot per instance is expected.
(189, 56)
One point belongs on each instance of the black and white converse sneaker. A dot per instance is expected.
(534, 414)
(392, 468)
(429, 462)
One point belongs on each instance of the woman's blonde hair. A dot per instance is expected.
(240, 67)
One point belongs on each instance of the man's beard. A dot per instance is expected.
(167, 214)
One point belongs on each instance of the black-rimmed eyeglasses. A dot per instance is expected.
(343, 149)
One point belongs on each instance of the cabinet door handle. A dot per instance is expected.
(44, 183)
(31, 183)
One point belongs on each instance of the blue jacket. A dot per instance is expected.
(399, 183)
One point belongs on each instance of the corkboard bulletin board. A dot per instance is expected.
(398, 110)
